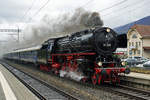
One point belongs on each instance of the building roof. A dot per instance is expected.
(144, 30)
(146, 48)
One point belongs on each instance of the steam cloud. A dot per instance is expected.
(62, 25)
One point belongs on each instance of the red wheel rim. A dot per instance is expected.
(83, 80)
(94, 79)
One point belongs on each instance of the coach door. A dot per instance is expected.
(49, 51)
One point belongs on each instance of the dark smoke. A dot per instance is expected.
(62, 25)
(91, 19)
(67, 23)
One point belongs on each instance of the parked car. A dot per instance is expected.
(143, 60)
(146, 64)
(140, 60)
(131, 61)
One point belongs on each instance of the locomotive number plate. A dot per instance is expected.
(107, 45)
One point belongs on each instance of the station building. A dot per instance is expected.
(139, 41)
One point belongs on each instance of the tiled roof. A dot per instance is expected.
(146, 48)
(144, 30)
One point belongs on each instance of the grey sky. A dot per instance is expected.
(12, 11)
(113, 13)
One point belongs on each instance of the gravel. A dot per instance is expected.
(79, 90)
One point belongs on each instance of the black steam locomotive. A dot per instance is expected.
(82, 56)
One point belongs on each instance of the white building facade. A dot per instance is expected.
(139, 41)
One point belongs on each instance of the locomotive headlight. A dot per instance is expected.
(99, 63)
(123, 63)
(108, 30)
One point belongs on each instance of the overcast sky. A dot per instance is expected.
(19, 13)
(113, 12)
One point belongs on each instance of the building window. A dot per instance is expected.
(138, 51)
(134, 36)
(130, 52)
(132, 43)
(139, 44)
(129, 43)
(134, 52)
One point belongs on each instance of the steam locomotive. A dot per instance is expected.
(83, 56)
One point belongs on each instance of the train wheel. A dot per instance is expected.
(95, 79)
(113, 78)
(100, 81)
(56, 72)
(84, 80)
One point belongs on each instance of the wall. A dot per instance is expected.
(134, 43)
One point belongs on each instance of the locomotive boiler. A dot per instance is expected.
(103, 41)
(83, 56)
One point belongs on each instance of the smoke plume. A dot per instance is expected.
(48, 27)
(62, 25)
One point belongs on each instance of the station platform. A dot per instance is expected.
(12, 89)
(139, 75)
(137, 80)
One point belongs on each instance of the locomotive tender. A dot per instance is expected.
(82, 56)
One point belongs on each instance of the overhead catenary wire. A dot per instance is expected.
(122, 8)
(86, 3)
(36, 13)
(114, 5)
(81, 6)
(135, 9)
(130, 10)
(28, 10)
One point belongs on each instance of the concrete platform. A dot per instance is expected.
(12, 89)
(137, 80)
(139, 75)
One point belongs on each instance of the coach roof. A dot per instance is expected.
(28, 49)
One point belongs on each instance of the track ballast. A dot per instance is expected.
(40, 88)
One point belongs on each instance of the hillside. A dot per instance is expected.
(124, 28)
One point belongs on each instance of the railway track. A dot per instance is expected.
(124, 92)
(131, 93)
(40, 88)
